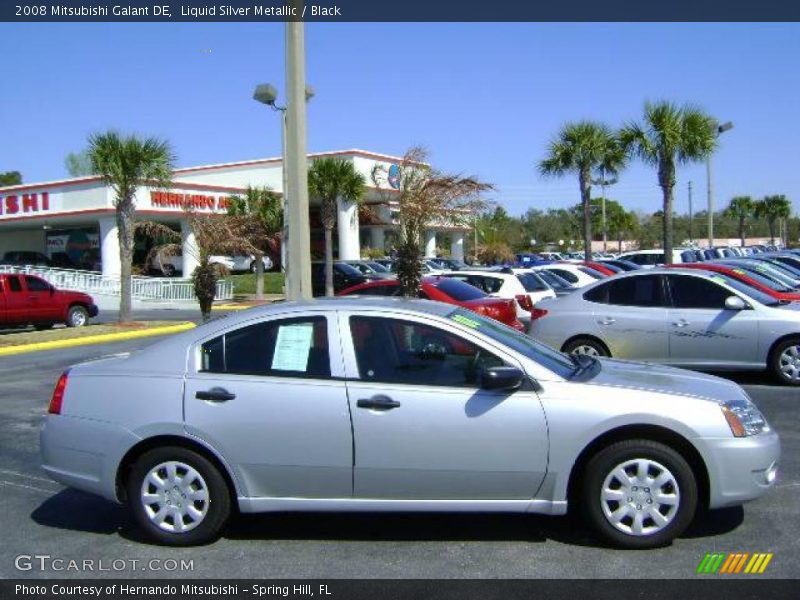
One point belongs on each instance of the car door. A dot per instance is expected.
(702, 330)
(631, 316)
(16, 304)
(270, 397)
(423, 428)
(41, 304)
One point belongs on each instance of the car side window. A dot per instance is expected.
(629, 291)
(696, 292)
(14, 284)
(35, 284)
(397, 351)
(284, 348)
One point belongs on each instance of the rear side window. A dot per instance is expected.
(285, 348)
(14, 284)
(490, 285)
(629, 291)
(457, 290)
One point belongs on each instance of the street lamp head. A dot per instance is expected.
(266, 93)
(309, 92)
(728, 125)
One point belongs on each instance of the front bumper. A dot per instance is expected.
(741, 469)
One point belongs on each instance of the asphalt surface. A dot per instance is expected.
(39, 517)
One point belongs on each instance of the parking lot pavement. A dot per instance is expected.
(39, 517)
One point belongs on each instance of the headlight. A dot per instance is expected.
(744, 418)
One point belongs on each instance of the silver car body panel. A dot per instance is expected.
(291, 444)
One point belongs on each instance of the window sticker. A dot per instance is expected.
(717, 278)
(465, 321)
(739, 271)
(292, 347)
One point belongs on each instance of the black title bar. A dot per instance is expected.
(332, 11)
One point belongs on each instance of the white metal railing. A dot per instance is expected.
(168, 289)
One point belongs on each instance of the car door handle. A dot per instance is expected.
(379, 402)
(607, 321)
(215, 395)
(681, 323)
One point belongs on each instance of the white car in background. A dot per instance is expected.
(577, 275)
(524, 287)
(171, 265)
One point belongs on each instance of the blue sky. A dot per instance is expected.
(484, 98)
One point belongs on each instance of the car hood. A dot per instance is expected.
(669, 380)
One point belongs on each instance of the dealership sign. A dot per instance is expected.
(188, 201)
(21, 204)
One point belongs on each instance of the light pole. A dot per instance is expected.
(718, 130)
(266, 93)
(603, 182)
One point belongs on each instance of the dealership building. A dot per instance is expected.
(71, 218)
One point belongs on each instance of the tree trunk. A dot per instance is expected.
(125, 228)
(586, 201)
(328, 262)
(666, 179)
(741, 231)
(259, 259)
(771, 223)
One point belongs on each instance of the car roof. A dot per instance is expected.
(479, 273)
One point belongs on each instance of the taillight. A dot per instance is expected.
(538, 313)
(525, 302)
(58, 394)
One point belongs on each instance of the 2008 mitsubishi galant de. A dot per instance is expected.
(385, 404)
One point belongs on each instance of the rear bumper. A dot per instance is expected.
(741, 469)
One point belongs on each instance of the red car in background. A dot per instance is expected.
(30, 300)
(451, 291)
(600, 267)
(746, 277)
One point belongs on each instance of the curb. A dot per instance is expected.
(230, 307)
(95, 339)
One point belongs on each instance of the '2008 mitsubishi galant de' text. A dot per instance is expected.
(385, 404)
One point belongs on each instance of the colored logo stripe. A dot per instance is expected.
(734, 562)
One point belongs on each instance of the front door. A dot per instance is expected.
(267, 397)
(424, 429)
(41, 306)
(702, 331)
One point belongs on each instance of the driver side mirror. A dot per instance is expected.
(735, 303)
(502, 378)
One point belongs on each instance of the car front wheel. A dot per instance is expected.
(77, 316)
(639, 494)
(588, 346)
(178, 497)
(785, 361)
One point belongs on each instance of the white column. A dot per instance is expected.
(377, 238)
(347, 221)
(109, 245)
(457, 246)
(430, 243)
(190, 251)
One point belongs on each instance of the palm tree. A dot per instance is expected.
(265, 208)
(773, 208)
(667, 136)
(332, 179)
(740, 208)
(581, 148)
(126, 163)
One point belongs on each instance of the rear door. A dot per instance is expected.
(270, 397)
(631, 315)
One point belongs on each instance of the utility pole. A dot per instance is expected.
(691, 239)
(296, 163)
(603, 182)
(710, 191)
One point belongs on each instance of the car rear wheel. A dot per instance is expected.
(785, 361)
(586, 346)
(77, 316)
(178, 497)
(639, 494)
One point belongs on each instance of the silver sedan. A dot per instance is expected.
(685, 318)
(385, 404)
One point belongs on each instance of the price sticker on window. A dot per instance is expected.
(292, 347)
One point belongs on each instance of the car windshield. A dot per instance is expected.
(457, 290)
(560, 364)
(556, 282)
(764, 280)
(591, 272)
(745, 289)
(768, 270)
(377, 267)
(532, 282)
(348, 269)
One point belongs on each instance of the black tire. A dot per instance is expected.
(642, 500)
(777, 359)
(168, 270)
(43, 326)
(253, 266)
(77, 316)
(217, 506)
(597, 347)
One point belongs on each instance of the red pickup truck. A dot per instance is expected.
(30, 300)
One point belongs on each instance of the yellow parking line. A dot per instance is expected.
(95, 339)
